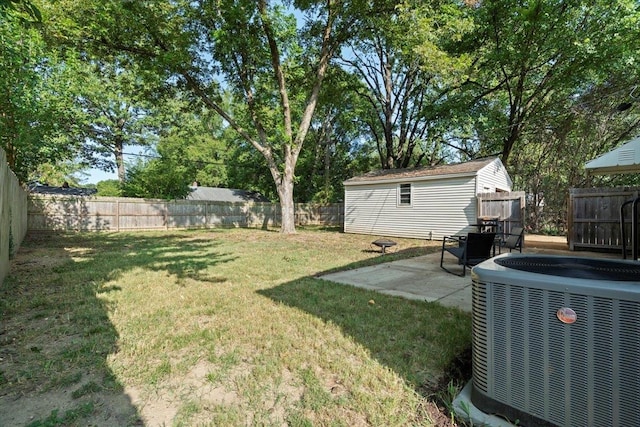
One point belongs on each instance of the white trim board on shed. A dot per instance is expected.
(443, 199)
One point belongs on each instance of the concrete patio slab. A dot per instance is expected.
(421, 278)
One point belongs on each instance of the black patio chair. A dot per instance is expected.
(470, 250)
(512, 240)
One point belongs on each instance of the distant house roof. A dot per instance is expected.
(38, 188)
(466, 168)
(218, 194)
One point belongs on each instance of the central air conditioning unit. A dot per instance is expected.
(556, 340)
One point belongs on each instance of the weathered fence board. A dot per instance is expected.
(507, 207)
(13, 214)
(76, 213)
(594, 218)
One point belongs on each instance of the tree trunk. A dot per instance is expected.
(118, 151)
(508, 143)
(287, 207)
(327, 166)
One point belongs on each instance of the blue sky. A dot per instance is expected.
(96, 175)
(131, 155)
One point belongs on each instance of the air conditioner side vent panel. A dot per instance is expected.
(527, 360)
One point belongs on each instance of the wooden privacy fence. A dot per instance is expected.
(66, 213)
(507, 207)
(594, 217)
(13, 214)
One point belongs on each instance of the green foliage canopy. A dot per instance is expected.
(529, 57)
(34, 98)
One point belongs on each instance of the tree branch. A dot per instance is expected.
(277, 68)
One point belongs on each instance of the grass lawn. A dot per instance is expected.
(216, 327)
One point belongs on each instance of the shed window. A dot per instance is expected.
(404, 195)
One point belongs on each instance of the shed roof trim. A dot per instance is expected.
(389, 175)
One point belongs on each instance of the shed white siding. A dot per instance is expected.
(492, 178)
(443, 199)
(439, 207)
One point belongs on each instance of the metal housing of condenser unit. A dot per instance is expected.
(533, 369)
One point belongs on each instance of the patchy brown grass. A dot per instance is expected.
(217, 327)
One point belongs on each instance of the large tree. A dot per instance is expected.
(551, 161)
(254, 48)
(405, 71)
(113, 110)
(529, 57)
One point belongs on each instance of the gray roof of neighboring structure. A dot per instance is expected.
(217, 194)
(624, 159)
(465, 168)
(61, 191)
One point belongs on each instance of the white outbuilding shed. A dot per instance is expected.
(422, 203)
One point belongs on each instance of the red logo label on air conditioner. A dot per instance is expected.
(566, 315)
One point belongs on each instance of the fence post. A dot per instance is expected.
(570, 225)
(166, 215)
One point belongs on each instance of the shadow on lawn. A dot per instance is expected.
(177, 254)
(56, 335)
(425, 343)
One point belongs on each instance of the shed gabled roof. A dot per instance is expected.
(624, 159)
(458, 169)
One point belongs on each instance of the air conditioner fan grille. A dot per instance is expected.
(574, 267)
